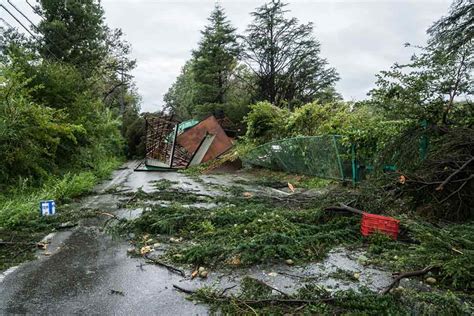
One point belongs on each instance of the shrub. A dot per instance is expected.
(265, 122)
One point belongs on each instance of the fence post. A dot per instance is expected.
(355, 170)
(338, 157)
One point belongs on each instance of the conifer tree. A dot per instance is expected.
(215, 59)
(285, 58)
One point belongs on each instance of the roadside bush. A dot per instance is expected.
(265, 122)
(30, 134)
(50, 122)
(315, 118)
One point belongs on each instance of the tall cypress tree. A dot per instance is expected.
(284, 56)
(215, 58)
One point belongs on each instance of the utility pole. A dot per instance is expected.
(122, 97)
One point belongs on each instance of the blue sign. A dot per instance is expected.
(47, 208)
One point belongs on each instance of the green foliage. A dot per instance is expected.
(133, 129)
(59, 126)
(247, 231)
(255, 297)
(234, 111)
(265, 122)
(454, 31)
(19, 206)
(215, 59)
(163, 184)
(30, 134)
(315, 118)
(437, 80)
(425, 88)
(74, 32)
(278, 180)
(359, 125)
(448, 149)
(449, 248)
(284, 55)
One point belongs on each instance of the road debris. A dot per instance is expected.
(116, 292)
(403, 275)
(167, 266)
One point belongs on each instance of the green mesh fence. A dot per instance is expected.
(323, 156)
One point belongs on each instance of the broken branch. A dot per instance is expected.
(273, 288)
(227, 288)
(406, 275)
(448, 179)
(260, 301)
(162, 264)
(343, 207)
(180, 289)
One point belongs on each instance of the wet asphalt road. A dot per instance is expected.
(85, 264)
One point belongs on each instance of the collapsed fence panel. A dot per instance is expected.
(323, 156)
(162, 150)
(174, 145)
(192, 139)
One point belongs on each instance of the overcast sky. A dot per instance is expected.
(358, 38)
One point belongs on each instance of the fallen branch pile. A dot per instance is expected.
(443, 184)
(259, 302)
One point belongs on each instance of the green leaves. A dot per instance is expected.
(265, 122)
(284, 55)
(438, 79)
(215, 59)
(29, 133)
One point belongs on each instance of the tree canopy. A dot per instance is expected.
(215, 59)
(285, 58)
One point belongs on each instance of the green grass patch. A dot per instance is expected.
(20, 207)
(20, 221)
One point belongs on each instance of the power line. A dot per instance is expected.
(18, 21)
(35, 10)
(6, 23)
(31, 22)
(26, 29)
(34, 26)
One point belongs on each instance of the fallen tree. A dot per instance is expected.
(442, 184)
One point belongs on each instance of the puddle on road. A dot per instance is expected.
(129, 214)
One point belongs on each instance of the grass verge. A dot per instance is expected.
(20, 222)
